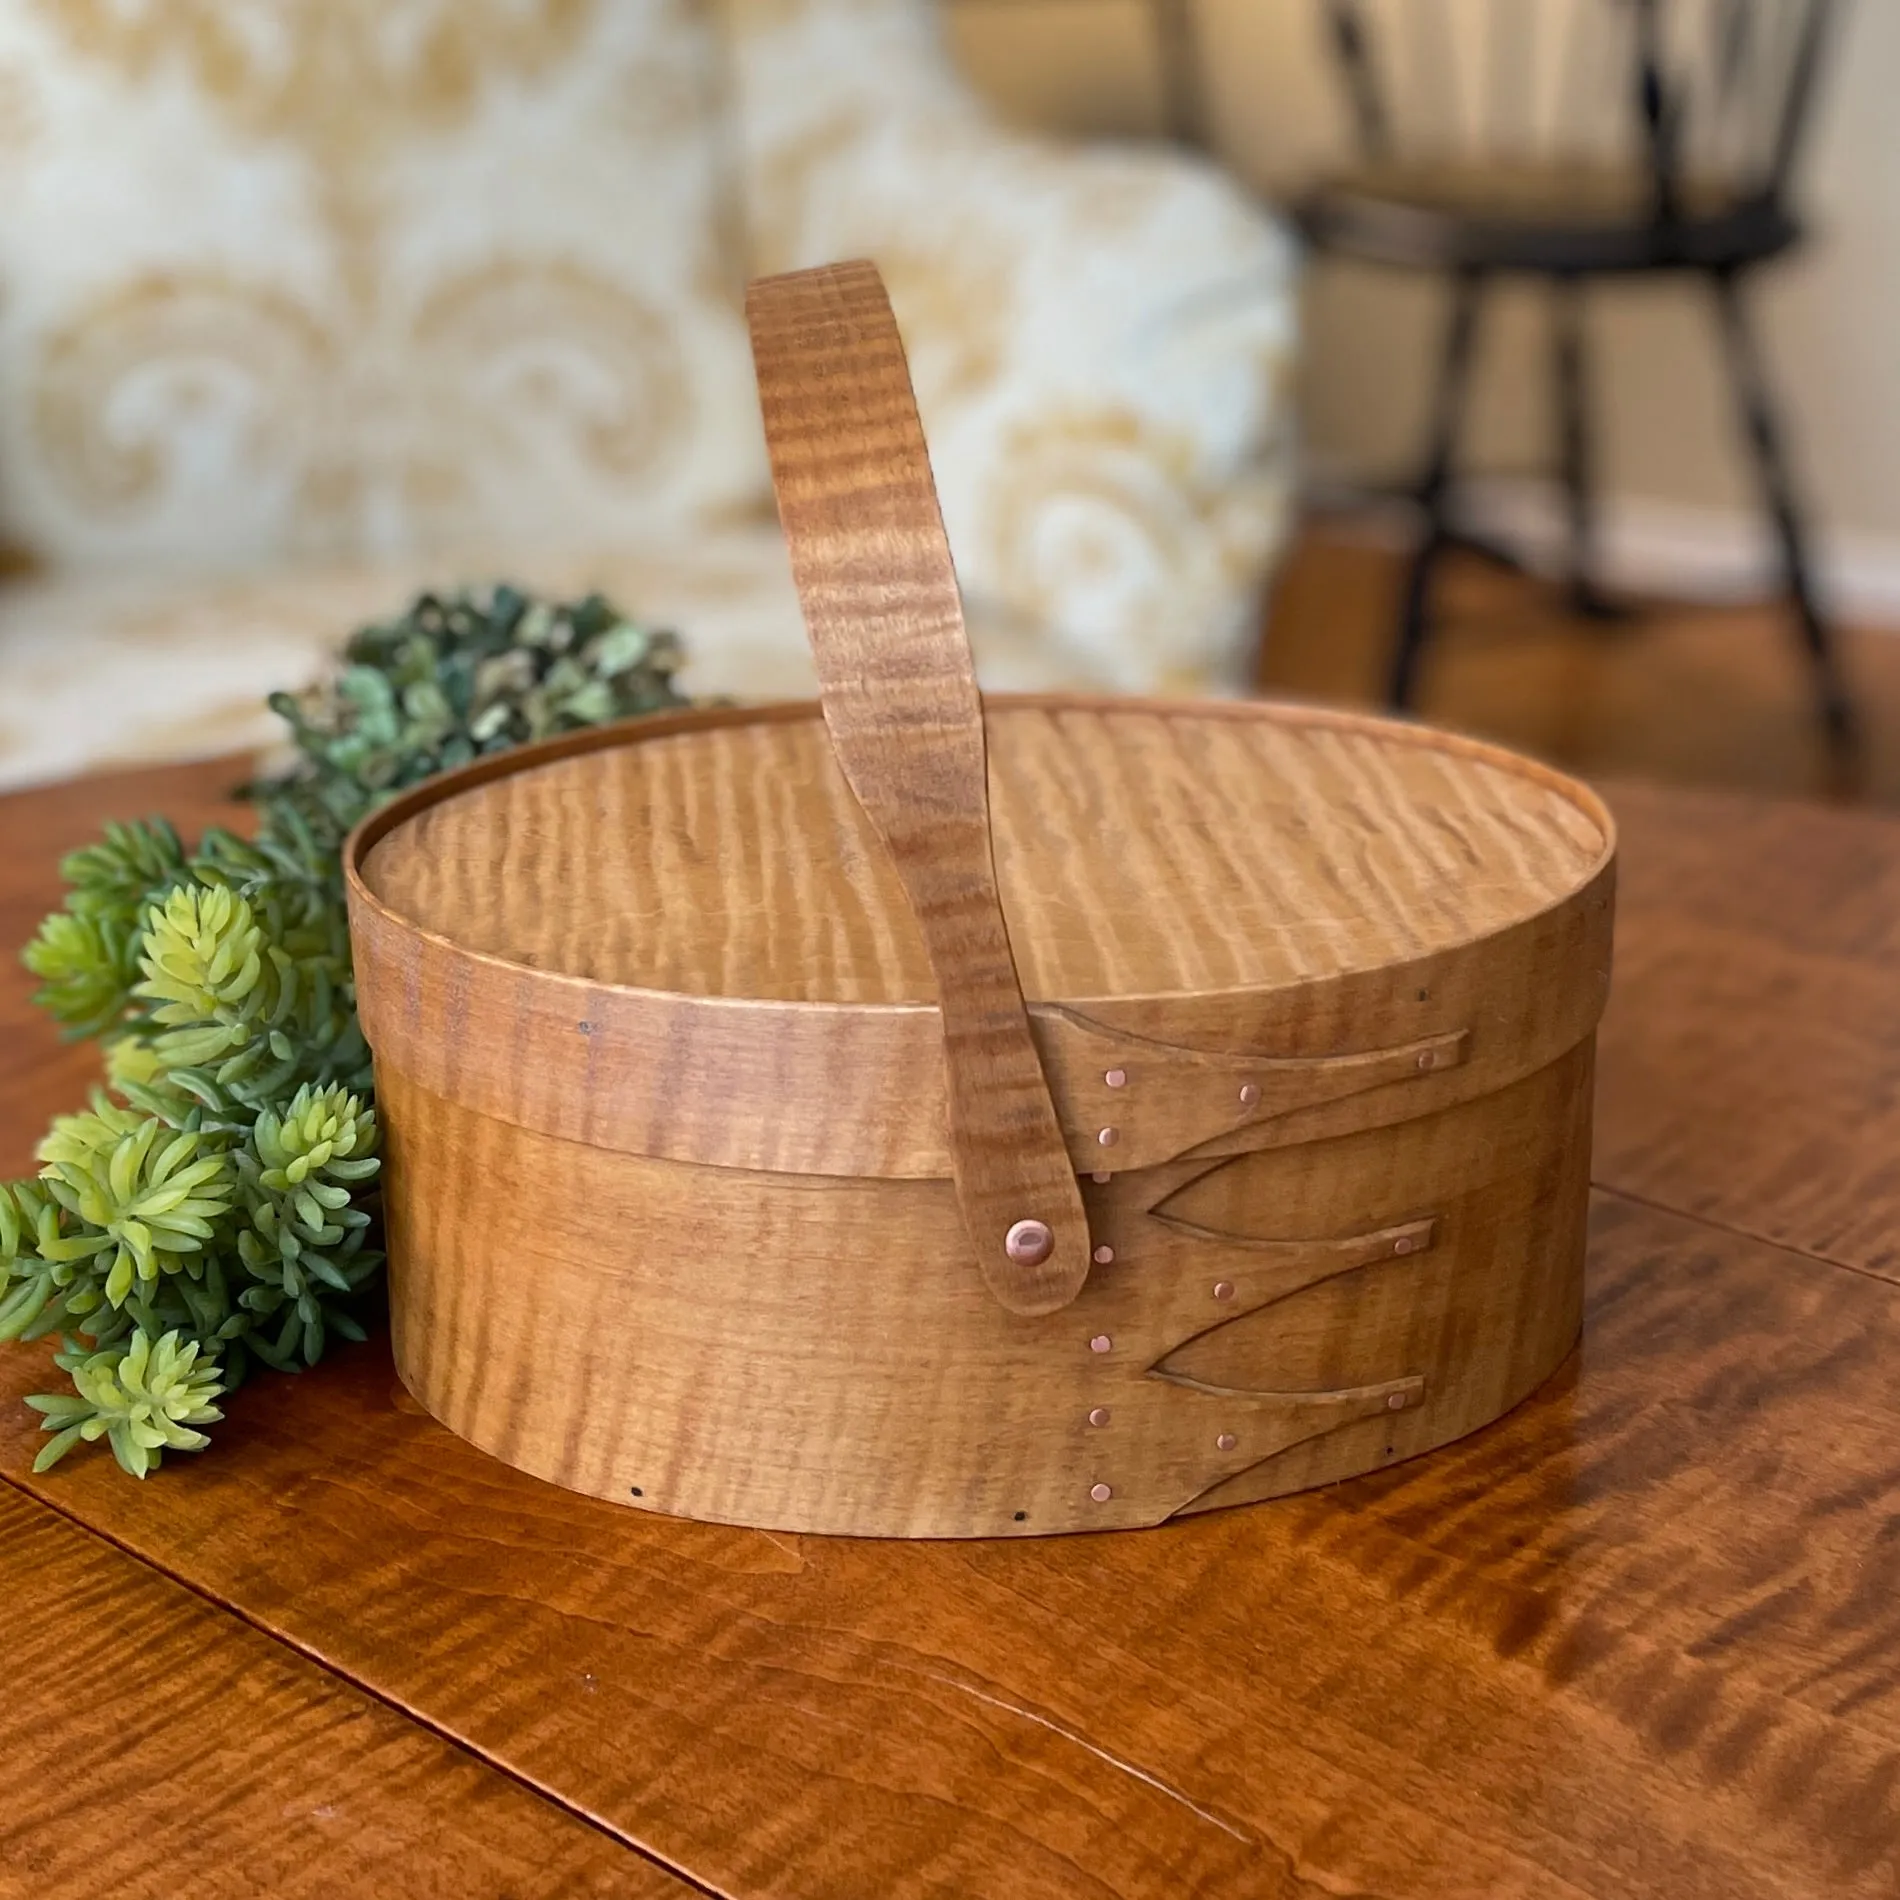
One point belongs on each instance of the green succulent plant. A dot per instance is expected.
(217, 1206)
(118, 875)
(87, 955)
(46, 1277)
(236, 1013)
(465, 674)
(144, 1193)
(86, 966)
(303, 1242)
(143, 1397)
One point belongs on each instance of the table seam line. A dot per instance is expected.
(1742, 1233)
(384, 1700)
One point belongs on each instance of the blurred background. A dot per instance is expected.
(1705, 679)
(1524, 363)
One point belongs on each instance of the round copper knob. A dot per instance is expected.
(1029, 1243)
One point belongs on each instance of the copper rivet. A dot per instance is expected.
(1109, 1136)
(1116, 1078)
(1223, 1289)
(1226, 1442)
(1105, 1256)
(1403, 1244)
(1099, 1416)
(1396, 1403)
(1101, 1493)
(1426, 1059)
(1101, 1177)
(1100, 1343)
(1249, 1094)
(1029, 1243)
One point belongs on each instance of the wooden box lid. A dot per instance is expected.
(1141, 851)
(919, 936)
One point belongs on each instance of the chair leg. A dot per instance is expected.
(1577, 451)
(1454, 382)
(1763, 431)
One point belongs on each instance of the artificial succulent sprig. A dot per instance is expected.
(142, 1193)
(121, 873)
(464, 674)
(144, 1398)
(303, 1244)
(46, 1277)
(87, 955)
(236, 1013)
(219, 1206)
(86, 966)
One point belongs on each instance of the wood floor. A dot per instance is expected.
(1681, 694)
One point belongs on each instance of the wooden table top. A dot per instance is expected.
(1641, 1638)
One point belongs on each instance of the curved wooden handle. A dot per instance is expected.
(885, 620)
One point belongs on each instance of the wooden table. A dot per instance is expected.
(1641, 1638)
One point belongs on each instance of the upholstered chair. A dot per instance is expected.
(302, 307)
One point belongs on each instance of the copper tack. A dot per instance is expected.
(1029, 1243)
(1101, 1493)
(1223, 1289)
(1396, 1403)
(1403, 1244)
(1099, 1415)
(1249, 1094)
(1100, 1343)
(1109, 1136)
(1101, 1177)
(1226, 1442)
(1426, 1059)
(1116, 1078)
(1104, 1256)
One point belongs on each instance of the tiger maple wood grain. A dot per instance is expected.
(841, 1387)
(1635, 1642)
(885, 623)
(675, 1225)
(154, 1744)
(731, 860)
(1770, 956)
(688, 1076)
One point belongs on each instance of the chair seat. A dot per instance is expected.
(111, 670)
(1548, 217)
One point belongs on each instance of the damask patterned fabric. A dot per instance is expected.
(1100, 338)
(359, 277)
(137, 669)
(301, 303)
